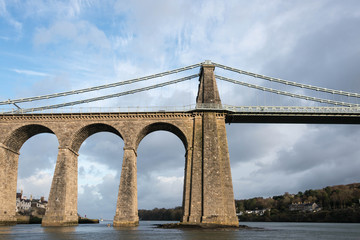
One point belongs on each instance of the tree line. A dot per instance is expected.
(338, 204)
(335, 197)
(160, 214)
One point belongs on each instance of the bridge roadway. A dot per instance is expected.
(234, 114)
(287, 114)
(249, 115)
(291, 117)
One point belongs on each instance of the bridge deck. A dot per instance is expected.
(286, 117)
(247, 116)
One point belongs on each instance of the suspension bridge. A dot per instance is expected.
(208, 193)
(332, 111)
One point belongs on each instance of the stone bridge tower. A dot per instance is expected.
(208, 190)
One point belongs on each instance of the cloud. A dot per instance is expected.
(159, 191)
(43, 9)
(7, 16)
(39, 153)
(30, 72)
(92, 173)
(325, 149)
(38, 184)
(249, 143)
(82, 33)
(99, 201)
(105, 149)
(321, 156)
(88, 43)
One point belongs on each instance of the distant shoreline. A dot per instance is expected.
(347, 215)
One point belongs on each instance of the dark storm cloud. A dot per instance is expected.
(320, 147)
(326, 52)
(343, 172)
(160, 152)
(248, 142)
(322, 155)
(105, 148)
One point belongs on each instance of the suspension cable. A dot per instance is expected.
(111, 85)
(287, 93)
(105, 96)
(295, 84)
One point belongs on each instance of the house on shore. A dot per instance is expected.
(24, 205)
(304, 207)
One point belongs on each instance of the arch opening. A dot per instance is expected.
(162, 126)
(160, 175)
(89, 130)
(35, 173)
(99, 169)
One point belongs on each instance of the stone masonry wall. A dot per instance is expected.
(71, 130)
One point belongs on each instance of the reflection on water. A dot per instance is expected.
(5, 230)
(58, 232)
(147, 230)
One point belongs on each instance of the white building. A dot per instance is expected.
(23, 204)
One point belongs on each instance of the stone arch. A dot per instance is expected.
(81, 135)
(158, 126)
(9, 157)
(20, 135)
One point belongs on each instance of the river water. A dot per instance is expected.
(146, 230)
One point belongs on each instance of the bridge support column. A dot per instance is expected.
(62, 206)
(218, 196)
(8, 181)
(193, 182)
(127, 205)
(187, 185)
(210, 197)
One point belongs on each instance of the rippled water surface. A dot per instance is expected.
(146, 230)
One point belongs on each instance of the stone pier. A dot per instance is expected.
(127, 207)
(8, 180)
(62, 207)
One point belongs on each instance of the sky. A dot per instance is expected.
(53, 46)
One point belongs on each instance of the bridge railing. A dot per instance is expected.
(132, 109)
(275, 109)
(187, 108)
(292, 109)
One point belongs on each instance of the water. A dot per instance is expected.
(146, 230)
